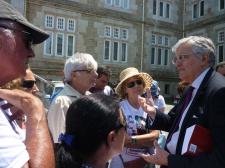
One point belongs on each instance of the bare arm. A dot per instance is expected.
(38, 141)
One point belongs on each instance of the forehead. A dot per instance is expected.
(29, 75)
(184, 49)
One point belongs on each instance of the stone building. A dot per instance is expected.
(122, 33)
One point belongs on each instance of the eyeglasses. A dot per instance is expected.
(28, 38)
(180, 58)
(28, 84)
(134, 83)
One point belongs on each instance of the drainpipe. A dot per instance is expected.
(142, 33)
(183, 27)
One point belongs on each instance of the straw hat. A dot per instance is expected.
(130, 72)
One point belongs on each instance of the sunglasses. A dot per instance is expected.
(134, 83)
(28, 84)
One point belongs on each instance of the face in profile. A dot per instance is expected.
(29, 83)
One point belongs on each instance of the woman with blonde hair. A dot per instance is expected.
(139, 139)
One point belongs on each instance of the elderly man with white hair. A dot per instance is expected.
(80, 75)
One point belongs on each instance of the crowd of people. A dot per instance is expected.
(91, 125)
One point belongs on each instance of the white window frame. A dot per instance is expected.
(57, 24)
(158, 40)
(153, 39)
(56, 48)
(166, 41)
(116, 28)
(67, 44)
(154, 7)
(110, 31)
(164, 61)
(109, 50)
(117, 5)
(46, 24)
(165, 10)
(122, 34)
(118, 51)
(123, 4)
(106, 2)
(193, 11)
(160, 2)
(125, 51)
(219, 37)
(68, 25)
(45, 43)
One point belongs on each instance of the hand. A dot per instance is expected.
(29, 104)
(160, 157)
(147, 104)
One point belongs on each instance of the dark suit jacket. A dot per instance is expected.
(207, 109)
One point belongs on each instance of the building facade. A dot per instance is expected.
(122, 33)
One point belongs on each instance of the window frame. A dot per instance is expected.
(70, 19)
(108, 48)
(51, 36)
(56, 46)
(53, 19)
(67, 46)
(57, 23)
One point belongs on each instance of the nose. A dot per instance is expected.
(35, 89)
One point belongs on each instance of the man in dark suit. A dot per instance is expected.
(194, 60)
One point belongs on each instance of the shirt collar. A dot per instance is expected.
(196, 83)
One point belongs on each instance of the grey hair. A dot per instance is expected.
(200, 46)
(79, 61)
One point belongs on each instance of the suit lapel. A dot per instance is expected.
(196, 105)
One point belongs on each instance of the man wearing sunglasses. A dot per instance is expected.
(16, 38)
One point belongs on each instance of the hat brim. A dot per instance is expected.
(145, 77)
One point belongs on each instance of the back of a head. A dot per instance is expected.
(89, 120)
(103, 71)
(79, 61)
(154, 89)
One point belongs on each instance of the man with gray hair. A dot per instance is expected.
(220, 68)
(202, 107)
(79, 75)
(16, 38)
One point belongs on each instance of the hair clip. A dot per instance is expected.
(66, 138)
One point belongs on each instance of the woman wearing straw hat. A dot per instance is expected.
(133, 84)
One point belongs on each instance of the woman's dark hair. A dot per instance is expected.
(88, 121)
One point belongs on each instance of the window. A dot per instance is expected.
(166, 41)
(202, 8)
(159, 56)
(166, 56)
(167, 10)
(124, 34)
(160, 8)
(107, 50)
(59, 44)
(108, 2)
(195, 11)
(115, 51)
(107, 31)
(221, 4)
(125, 4)
(61, 23)
(220, 53)
(167, 89)
(115, 44)
(153, 55)
(221, 36)
(154, 7)
(153, 39)
(49, 21)
(159, 50)
(48, 45)
(124, 52)
(117, 3)
(71, 25)
(70, 45)
(160, 40)
(116, 32)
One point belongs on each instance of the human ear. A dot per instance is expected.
(111, 138)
